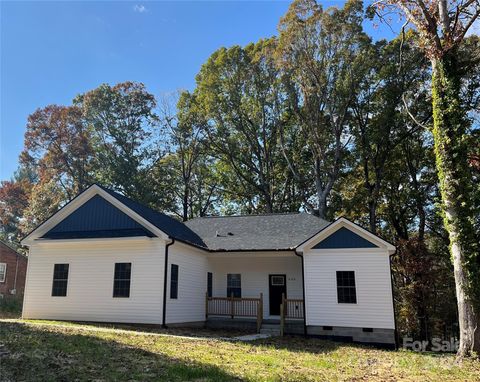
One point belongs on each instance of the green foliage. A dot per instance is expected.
(46, 198)
(318, 119)
(424, 290)
(186, 174)
(454, 172)
(122, 119)
(380, 126)
(321, 54)
(240, 97)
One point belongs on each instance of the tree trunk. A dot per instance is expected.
(322, 192)
(186, 196)
(372, 215)
(322, 207)
(449, 130)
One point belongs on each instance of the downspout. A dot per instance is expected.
(16, 273)
(165, 274)
(304, 300)
(393, 302)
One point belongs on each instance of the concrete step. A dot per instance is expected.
(270, 333)
(271, 326)
(271, 329)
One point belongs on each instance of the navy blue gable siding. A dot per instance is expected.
(344, 238)
(172, 227)
(95, 219)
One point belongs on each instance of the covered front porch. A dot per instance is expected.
(261, 289)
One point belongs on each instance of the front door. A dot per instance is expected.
(277, 287)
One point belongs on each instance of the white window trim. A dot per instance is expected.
(68, 278)
(355, 287)
(4, 272)
(131, 277)
(240, 278)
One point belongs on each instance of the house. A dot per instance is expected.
(13, 268)
(104, 257)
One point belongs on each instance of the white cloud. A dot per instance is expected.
(140, 8)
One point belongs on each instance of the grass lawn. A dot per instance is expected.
(56, 351)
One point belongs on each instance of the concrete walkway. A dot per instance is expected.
(251, 337)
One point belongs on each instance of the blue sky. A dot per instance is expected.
(52, 51)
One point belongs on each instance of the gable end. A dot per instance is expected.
(344, 238)
(97, 218)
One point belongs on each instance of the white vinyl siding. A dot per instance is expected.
(91, 274)
(254, 270)
(374, 307)
(189, 306)
(90, 281)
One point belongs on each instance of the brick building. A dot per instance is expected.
(13, 269)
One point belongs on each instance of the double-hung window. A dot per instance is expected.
(3, 272)
(234, 285)
(346, 291)
(60, 280)
(121, 279)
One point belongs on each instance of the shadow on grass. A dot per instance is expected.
(30, 353)
(300, 344)
(193, 331)
(293, 343)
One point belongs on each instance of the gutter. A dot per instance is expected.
(303, 289)
(165, 273)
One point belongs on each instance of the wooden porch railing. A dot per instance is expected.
(235, 307)
(290, 308)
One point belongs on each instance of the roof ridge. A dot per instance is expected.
(250, 215)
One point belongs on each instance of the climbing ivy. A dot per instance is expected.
(451, 151)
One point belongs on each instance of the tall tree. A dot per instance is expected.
(379, 121)
(319, 53)
(186, 174)
(122, 119)
(442, 26)
(14, 200)
(58, 145)
(46, 198)
(240, 93)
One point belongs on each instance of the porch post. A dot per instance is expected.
(261, 306)
(206, 305)
(259, 313)
(282, 318)
(232, 306)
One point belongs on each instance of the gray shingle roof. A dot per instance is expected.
(247, 232)
(172, 227)
(229, 233)
(256, 232)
